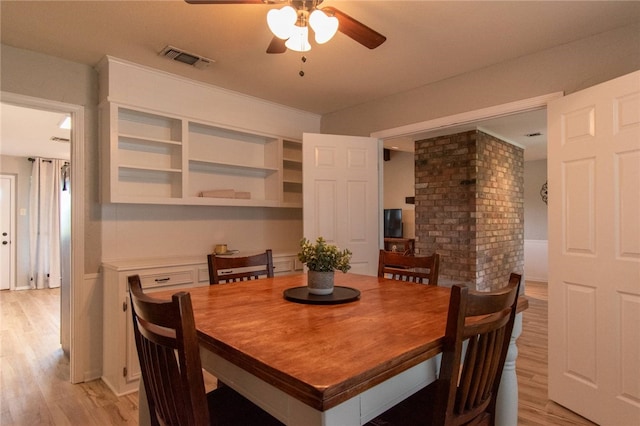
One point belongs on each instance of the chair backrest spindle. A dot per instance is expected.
(417, 269)
(226, 269)
(486, 321)
(466, 389)
(169, 357)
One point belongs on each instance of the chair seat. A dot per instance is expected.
(228, 408)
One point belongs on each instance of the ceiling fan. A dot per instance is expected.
(290, 25)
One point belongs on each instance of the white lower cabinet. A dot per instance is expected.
(121, 371)
(120, 368)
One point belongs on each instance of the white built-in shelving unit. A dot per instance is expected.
(157, 158)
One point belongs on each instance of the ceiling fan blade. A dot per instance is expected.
(277, 46)
(232, 1)
(355, 29)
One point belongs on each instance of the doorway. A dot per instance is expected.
(517, 123)
(69, 298)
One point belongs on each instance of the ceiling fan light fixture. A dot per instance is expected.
(325, 27)
(282, 21)
(299, 40)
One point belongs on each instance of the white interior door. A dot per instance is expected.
(7, 230)
(341, 195)
(594, 251)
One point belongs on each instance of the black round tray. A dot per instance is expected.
(340, 295)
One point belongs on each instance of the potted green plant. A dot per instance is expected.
(322, 260)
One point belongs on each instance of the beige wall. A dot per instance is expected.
(567, 68)
(41, 76)
(535, 210)
(399, 183)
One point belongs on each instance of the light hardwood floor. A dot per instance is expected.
(34, 372)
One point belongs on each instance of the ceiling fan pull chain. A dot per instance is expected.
(303, 59)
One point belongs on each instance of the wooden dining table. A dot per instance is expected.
(323, 364)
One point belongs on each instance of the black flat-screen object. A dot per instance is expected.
(393, 223)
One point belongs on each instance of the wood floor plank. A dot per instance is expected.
(34, 371)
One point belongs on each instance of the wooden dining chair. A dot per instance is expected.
(225, 269)
(169, 356)
(465, 391)
(417, 269)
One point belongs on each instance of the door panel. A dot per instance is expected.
(581, 330)
(7, 230)
(341, 195)
(325, 201)
(628, 205)
(579, 221)
(594, 251)
(357, 205)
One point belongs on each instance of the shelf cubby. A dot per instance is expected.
(149, 125)
(149, 183)
(292, 172)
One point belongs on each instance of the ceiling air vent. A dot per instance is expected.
(57, 139)
(180, 55)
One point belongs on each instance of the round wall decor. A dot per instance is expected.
(544, 192)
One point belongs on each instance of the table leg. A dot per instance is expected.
(144, 419)
(507, 399)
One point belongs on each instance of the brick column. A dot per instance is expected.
(470, 207)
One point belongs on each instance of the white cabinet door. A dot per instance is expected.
(341, 195)
(594, 251)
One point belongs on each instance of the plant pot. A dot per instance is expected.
(320, 283)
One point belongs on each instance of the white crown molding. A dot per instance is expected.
(468, 117)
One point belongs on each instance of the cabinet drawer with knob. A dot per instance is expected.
(167, 279)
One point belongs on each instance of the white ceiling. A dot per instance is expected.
(527, 130)
(427, 41)
(27, 132)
